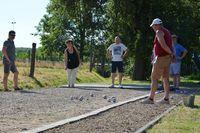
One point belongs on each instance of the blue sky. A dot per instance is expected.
(26, 14)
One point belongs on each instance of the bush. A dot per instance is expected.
(194, 77)
(105, 72)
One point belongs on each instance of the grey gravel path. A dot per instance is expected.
(123, 119)
(28, 109)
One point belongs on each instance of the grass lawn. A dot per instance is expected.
(181, 120)
(52, 74)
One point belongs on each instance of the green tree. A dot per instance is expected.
(131, 20)
(77, 19)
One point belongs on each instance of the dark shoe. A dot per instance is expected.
(148, 101)
(163, 101)
(172, 88)
(17, 89)
(112, 86)
(72, 86)
(7, 90)
(120, 86)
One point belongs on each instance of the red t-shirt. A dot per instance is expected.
(159, 51)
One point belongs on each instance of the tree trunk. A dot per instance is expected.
(82, 34)
(140, 59)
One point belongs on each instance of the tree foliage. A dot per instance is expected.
(93, 25)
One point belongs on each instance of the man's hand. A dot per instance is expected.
(173, 57)
(8, 61)
(179, 58)
(65, 67)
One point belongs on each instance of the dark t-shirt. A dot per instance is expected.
(10, 49)
(73, 61)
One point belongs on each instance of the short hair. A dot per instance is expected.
(12, 32)
(117, 37)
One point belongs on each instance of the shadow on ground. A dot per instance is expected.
(29, 92)
(38, 82)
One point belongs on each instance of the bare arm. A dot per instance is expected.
(160, 36)
(184, 54)
(5, 54)
(125, 53)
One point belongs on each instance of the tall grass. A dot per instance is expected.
(50, 74)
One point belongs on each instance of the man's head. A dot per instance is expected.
(117, 40)
(156, 24)
(11, 35)
(174, 39)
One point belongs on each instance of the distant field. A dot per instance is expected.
(52, 74)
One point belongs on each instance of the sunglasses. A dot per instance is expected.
(12, 35)
(69, 42)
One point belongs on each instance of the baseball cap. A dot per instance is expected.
(174, 36)
(69, 40)
(156, 21)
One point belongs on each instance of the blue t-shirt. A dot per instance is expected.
(179, 49)
(10, 49)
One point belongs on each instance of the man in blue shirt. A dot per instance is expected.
(175, 67)
(8, 51)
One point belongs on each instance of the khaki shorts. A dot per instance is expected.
(161, 67)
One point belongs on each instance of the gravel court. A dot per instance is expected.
(28, 109)
(123, 119)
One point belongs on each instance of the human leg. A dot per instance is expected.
(120, 68)
(165, 76)
(15, 79)
(74, 74)
(178, 77)
(177, 68)
(113, 74)
(5, 81)
(5, 76)
(13, 68)
(69, 75)
(113, 79)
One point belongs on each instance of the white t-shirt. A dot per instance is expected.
(117, 51)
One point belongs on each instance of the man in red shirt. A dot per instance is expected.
(163, 54)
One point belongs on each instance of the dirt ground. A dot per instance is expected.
(28, 109)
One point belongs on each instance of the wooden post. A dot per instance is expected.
(32, 60)
(189, 100)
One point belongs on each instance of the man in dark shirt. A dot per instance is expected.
(8, 51)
